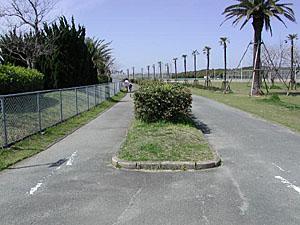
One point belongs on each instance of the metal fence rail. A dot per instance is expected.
(22, 115)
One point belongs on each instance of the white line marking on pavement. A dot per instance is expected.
(44, 179)
(122, 217)
(71, 159)
(35, 188)
(288, 184)
(203, 213)
(245, 204)
(278, 167)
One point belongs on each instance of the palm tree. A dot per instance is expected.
(168, 71)
(224, 42)
(206, 51)
(101, 54)
(184, 66)
(148, 69)
(128, 74)
(292, 38)
(175, 64)
(160, 70)
(259, 12)
(195, 53)
(133, 73)
(154, 75)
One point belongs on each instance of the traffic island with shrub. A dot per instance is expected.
(163, 136)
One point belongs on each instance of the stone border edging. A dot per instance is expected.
(166, 165)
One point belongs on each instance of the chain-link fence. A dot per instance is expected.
(22, 115)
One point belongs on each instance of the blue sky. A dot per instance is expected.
(147, 31)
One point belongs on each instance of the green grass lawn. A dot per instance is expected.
(284, 110)
(39, 142)
(164, 141)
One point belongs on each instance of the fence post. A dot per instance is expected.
(76, 101)
(39, 111)
(100, 93)
(5, 138)
(88, 98)
(95, 89)
(61, 106)
(108, 91)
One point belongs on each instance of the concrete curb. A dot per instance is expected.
(166, 165)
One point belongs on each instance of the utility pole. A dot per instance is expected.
(175, 64)
(184, 64)
(195, 53)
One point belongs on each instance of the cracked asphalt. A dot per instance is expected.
(73, 182)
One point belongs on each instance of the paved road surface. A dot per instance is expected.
(257, 184)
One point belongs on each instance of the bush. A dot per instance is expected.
(156, 101)
(14, 79)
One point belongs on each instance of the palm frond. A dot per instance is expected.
(262, 10)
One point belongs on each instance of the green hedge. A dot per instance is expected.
(15, 79)
(156, 101)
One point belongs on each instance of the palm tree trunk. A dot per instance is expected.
(207, 68)
(225, 62)
(292, 63)
(258, 27)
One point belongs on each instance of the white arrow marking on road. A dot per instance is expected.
(69, 163)
(288, 184)
(34, 189)
(71, 159)
(278, 167)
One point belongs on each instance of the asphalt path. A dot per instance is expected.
(74, 183)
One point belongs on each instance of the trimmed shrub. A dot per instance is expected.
(14, 79)
(156, 101)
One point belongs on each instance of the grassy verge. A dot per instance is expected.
(39, 142)
(164, 141)
(277, 107)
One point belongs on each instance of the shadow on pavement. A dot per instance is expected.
(200, 125)
(50, 165)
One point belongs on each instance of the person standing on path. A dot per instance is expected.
(126, 84)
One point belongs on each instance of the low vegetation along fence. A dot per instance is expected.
(22, 115)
